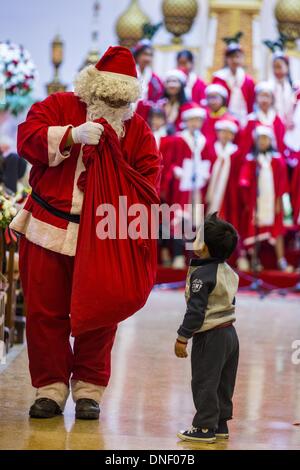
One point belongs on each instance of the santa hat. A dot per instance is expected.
(263, 130)
(226, 125)
(193, 110)
(216, 89)
(113, 78)
(177, 75)
(264, 87)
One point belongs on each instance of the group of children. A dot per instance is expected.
(242, 141)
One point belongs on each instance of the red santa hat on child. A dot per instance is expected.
(216, 89)
(113, 78)
(226, 125)
(193, 110)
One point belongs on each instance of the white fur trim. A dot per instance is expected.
(48, 236)
(225, 124)
(57, 391)
(82, 389)
(90, 83)
(216, 89)
(55, 135)
(178, 74)
(264, 130)
(77, 195)
(193, 113)
(266, 87)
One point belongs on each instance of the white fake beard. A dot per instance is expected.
(114, 116)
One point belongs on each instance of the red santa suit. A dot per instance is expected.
(259, 118)
(50, 225)
(263, 181)
(240, 88)
(222, 191)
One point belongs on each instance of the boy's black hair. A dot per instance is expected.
(220, 237)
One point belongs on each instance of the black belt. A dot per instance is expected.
(61, 214)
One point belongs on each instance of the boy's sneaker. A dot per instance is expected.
(197, 435)
(222, 430)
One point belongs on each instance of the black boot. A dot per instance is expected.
(44, 408)
(87, 408)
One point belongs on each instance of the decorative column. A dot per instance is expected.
(227, 17)
(57, 58)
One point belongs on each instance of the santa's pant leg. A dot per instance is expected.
(46, 279)
(92, 363)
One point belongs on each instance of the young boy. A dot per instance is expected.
(210, 290)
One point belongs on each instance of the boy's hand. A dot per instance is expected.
(180, 349)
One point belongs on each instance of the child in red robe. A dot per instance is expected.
(152, 86)
(233, 77)
(216, 101)
(175, 100)
(222, 191)
(263, 182)
(195, 86)
(264, 115)
(188, 172)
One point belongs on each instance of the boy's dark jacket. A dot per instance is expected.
(210, 294)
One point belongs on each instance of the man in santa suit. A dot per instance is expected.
(222, 191)
(152, 86)
(195, 86)
(239, 85)
(53, 139)
(264, 115)
(263, 182)
(216, 102)
(188, 172)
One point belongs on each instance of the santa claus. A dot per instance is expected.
(65, 137)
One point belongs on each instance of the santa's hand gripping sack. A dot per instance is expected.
(87, 149)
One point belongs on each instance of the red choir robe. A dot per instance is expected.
(222, 190)
(152, 91)
(295, 193)
(183, 150)
(195, 88)
(241, 91)
(208, 128)
(165, 144)
(262, 186)
(260, 119)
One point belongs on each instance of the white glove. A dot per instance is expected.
(178, 172)
(88, 133)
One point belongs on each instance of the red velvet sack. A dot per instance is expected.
(112, 277)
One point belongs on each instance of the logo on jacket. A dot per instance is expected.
(196, 285)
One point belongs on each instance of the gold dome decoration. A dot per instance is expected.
(129, 26)
(179, 16)
(287, 13)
